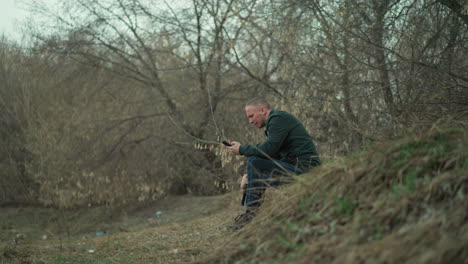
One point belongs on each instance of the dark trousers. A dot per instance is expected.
(262, 172)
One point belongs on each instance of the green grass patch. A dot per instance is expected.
(345, 206)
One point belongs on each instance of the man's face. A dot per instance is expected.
(256, 115)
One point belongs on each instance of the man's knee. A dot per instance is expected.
(254, 168)
(255, 161)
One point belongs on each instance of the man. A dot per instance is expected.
(288, 149)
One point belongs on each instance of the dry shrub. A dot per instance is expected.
(401, 202)
(76, 135)
(83, 148)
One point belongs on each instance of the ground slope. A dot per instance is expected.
(400, 202)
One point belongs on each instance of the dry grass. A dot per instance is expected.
(188, 228)
(400, 202)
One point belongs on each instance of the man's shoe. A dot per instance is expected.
(241, 220)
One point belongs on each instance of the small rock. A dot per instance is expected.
(18, 238)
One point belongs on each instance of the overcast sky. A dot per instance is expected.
(10, 17)
(12, 14)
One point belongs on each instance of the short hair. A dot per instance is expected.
(258, 102)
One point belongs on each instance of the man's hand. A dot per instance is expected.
(243, 184)
(234, 149)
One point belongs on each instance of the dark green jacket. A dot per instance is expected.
(287, 140)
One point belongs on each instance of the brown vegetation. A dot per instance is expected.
(402, 202)
(115, 102)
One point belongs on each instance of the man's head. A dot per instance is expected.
(257, 111)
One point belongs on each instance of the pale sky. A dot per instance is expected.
(11, 16)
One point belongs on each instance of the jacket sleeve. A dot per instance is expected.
(277, 133)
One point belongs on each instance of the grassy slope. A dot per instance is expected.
(402, 202)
